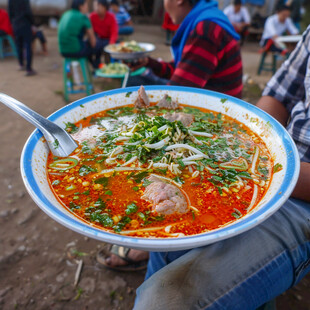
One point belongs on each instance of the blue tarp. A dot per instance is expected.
(255, 2)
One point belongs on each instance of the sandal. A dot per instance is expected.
(121, 252)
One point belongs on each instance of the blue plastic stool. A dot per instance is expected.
(268, 66)
(6, 52)
(68, 78)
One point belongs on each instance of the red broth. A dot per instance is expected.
(221, 186)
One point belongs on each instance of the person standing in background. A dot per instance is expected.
(122, 17)
(21, 17)
(104, 25)
(240, 18)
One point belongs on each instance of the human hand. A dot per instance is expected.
(137, 63)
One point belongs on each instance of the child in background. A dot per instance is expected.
(122, 17)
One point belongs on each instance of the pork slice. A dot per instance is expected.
(142, 100)
(184, 118)
(167, 103)
(166, 198)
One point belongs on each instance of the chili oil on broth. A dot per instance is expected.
(104, 180)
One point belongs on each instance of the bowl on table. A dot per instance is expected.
(276, 138)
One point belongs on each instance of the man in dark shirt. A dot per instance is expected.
(22, 20)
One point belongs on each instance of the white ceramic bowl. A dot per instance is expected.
(278, 141)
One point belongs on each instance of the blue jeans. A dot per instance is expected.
(239, 273)
(125, 30)
(147, 78)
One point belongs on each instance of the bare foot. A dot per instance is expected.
(135, 255)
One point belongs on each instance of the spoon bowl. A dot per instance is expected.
(59, 141)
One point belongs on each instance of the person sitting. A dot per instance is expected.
(104, 25)
(246, 271)
(122, 17)
(5, 24)
(73, 25)
(240, 18)
(170, 28)
(275, 26)
(206, 55)
(38, 34)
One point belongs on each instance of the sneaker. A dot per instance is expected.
(30, 73)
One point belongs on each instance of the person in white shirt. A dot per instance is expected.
(240, 18)
(275, 26)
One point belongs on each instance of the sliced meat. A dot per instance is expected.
(167, 103)
(142, 100)
(166, 198)
(184, 118)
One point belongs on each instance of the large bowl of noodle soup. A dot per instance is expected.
(278, 142)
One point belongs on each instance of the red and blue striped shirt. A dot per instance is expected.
(211, 59)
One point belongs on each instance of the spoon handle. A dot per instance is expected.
(31, 116)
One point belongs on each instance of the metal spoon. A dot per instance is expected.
(59, 141)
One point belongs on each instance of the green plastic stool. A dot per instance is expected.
(68, 78)
(4, 52)
(267, 66)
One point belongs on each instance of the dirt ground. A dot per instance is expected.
(35, 269)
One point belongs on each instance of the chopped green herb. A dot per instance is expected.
(73, 206)
(100, 204)
(86, 192)
(146, 183)
(131, 208)
(179, 180)
(56, 143)
(108, 193)
(128, 94)
(84, 170)
(103, 219)
(223, 100)
(181, 163)
(277, 167)
(81, 105)
(103, 181)
(136, 188)
(71, 128)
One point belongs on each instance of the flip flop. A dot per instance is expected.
(121, 252)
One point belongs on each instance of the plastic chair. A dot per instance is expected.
(4, 51)
(68, 78)
(267, 66)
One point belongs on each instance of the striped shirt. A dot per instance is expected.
(211, 59)
(291, 86)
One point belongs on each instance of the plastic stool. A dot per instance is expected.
(68, 78)
(3, 51)
(267, 66)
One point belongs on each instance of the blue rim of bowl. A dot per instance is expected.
(286, 188)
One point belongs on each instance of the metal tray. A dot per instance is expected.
(148, 48)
